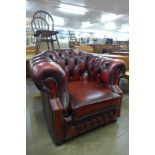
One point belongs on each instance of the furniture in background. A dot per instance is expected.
(80, 91)
(108, 41)
(72, 36)
(122, 46)
(30, 50)
(121, 53)
(43, 29)
(101, 48)
(72, 44)
(30, 40)
(85, 48)
(73, 41)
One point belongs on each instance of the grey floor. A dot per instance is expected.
(112, 139)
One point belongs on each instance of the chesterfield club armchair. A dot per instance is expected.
(80, 91)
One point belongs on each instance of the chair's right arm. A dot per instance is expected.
(50, 77)
(111, 70)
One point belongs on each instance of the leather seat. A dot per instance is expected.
(87, 97)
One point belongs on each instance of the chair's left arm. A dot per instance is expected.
(104, 69)
(111, 70)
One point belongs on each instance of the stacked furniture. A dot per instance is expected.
(80, 91)
(73, 41)
(72, 36)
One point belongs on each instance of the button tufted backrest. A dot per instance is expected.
(76, 64)
(71, 61)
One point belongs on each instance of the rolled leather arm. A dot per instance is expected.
(44, 72)
(111, 70)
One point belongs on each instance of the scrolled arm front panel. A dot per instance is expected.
(57, 121)
(111, 71)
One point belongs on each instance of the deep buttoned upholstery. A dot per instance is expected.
(80, 91)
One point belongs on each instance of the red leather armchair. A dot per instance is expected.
(80, 91)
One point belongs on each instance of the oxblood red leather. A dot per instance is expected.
(87, 97)
(80, 91)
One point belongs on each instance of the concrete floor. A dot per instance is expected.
(112, 139)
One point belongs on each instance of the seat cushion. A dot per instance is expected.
(87, 97)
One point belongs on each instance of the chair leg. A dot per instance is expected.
(36, 47)
(38, 42)
(47, 43)
(57, 41)
(52, 43)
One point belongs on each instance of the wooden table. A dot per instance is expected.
(86, 48)
(121, 52)
(99, 48)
